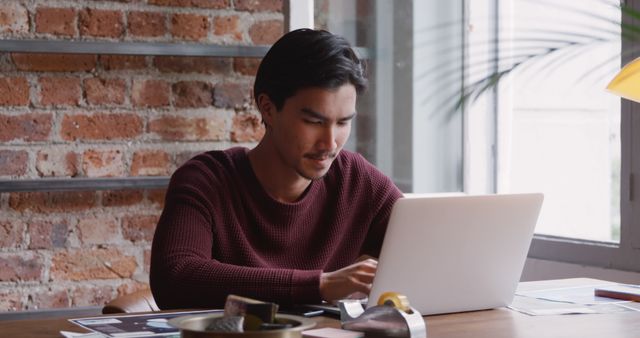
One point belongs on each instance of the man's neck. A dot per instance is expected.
(278, 180)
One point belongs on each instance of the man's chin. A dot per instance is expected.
(313, 170)
(313, 176)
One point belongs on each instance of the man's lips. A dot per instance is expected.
(320, 157)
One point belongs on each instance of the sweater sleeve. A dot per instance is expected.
(185, 275)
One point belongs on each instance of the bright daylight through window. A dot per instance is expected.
(563, 138)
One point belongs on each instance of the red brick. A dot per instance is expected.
(191, 94)
(60, 91)
(49, 299)
(120, 198)
(14, 18)
(139, 227)
(98, 230)
(22, 201)
(189, 26)
(147, 24)
(215, 4)
(14, 91)
(27, 127)
(227, 25)
(246, 128)
(57, 21)
(157, 196)
(188, 129)
(57, 162)
(123, 62)
(103, 163)
(23, 267)
(54, 62)
(232, 95)
(150, 93)
(11, 300)
(13, 162)
(246, 66)
(150, 163)
(259, 5)
(72, 200)
(78, 265)
(266, 32)
(48, 234)
(45, 202)
(100, 23)
(189, 64)
(11, 233)
(100, 91)
(131, 286)
(91, 295)
(100, 126)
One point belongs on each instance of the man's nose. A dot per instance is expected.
(328, 141)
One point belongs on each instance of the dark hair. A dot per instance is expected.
(306, 58)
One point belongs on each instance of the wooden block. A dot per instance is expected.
(255, 312)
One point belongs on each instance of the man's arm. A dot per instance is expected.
(356, 277)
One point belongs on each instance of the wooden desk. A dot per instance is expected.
(490, 323)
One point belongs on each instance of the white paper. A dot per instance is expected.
(583, 295)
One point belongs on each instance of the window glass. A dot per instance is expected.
(563, 135)
(404, 124)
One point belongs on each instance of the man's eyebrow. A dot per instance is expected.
(316, 115)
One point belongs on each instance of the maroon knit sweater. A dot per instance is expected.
(220, 232)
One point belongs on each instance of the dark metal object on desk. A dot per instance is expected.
(196, 327)
(382, 320)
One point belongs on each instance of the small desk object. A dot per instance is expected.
(496, 323)
(620, 291)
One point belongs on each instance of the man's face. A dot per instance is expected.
(311, 129)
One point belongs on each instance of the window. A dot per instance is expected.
(564, 134)
(548, 126)
(558, 131)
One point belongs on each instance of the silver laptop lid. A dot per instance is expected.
(456, 253)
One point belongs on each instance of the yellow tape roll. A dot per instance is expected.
(397, 300)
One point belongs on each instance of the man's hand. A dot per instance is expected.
(356, 277)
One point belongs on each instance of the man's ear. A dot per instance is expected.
(267, 108)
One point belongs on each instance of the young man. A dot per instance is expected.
(287, 220)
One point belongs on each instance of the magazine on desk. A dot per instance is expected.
(135, 325)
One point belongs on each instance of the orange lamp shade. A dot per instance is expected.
(627, 82)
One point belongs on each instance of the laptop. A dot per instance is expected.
(456, 253)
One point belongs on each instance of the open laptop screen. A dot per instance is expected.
(456, 253)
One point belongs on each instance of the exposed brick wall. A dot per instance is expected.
(73, 115)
